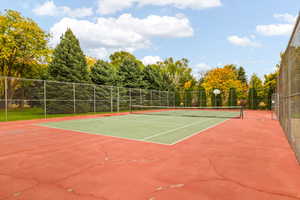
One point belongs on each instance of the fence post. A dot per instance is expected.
(151, 98)
(130, 103)
(168, 98)
(141, 100)
(94, 98)
(74, 98)
(118, 99)
(45, 100)
(174, 100)
(111, 99)
(6, 102)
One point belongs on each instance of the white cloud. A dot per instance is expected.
(148, 60)
(286, 18)
(50, 9)
(243, 41)
(275, 29)
(123, 33)
(200, 69)
(112, 6)
(278, 29)
(203, 67)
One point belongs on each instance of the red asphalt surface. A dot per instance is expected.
(246, 159)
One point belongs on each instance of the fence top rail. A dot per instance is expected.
(62, 82)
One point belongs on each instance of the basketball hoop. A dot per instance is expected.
(217, 91)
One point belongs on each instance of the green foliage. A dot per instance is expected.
(153, 78)
(177, 71)
(256, 82)
(119, 57)
(241, 75)
(69, 62)
(68, 65)
(270, 85)
(177, 98)
(232, 98)
(202, 97)
(102, 73)
(130, 74)
(23, 47)
(253, 100)
(188, 98)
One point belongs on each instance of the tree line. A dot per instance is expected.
(25, 53)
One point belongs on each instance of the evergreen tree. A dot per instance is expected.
(103, 73)
(232, 99)
(68, 65)
(153, 78)
(202, 97)
(252, 99)
(130, 74)
(241, 75)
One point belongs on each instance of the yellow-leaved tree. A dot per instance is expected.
(223, 79)
(24, 50)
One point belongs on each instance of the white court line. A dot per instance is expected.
(196, 133)
(103, 135)
(165, 132)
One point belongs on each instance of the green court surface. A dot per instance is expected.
(160, 129)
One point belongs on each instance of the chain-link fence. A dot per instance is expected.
(288, 90)
(29, 98)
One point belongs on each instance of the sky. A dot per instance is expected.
(209, 33)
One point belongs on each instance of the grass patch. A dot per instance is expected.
(36, 113)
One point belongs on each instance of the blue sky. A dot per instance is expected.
(209, 33)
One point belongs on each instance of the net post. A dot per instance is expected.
(74, 98)
(6, 94)
(45, 100)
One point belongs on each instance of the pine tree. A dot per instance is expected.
(130, 74)
(103, 73)
(153, 78)
(68, 65)
(232, 99)
(241, 75)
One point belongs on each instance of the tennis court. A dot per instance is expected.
(163, 125)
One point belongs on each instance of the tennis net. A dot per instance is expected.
(217, 112)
